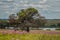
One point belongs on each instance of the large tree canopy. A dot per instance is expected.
(26, 18)
(27, 13)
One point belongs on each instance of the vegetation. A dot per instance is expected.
(58, 25)
(29, 36)
(25, 19)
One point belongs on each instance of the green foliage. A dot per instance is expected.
(29, 12)
(32, 10)
(58, 29)
(21, 13)
(58, 25)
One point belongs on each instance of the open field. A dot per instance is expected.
(32, 35)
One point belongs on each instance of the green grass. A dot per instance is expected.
(29, 36)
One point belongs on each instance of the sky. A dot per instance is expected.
(50, 9)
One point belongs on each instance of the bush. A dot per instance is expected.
(58, 29)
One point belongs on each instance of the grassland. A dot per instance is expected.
(32, 35)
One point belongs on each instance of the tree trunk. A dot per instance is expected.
(27, 29)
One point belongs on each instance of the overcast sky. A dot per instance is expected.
(48, 8)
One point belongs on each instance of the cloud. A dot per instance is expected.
(26, 5)
(47, 7)
(4, 6)
(42, 1)
(16, 4)
(9, 0)
(56, 10)
(1, 2)
(40, 6)
(26, 1)
(7, 12)
(23, 1)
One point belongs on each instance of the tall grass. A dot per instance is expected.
(29, 36)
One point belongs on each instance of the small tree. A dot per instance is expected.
(12, 20)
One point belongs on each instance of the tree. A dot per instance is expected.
(12, 20)
(25, 16)
(58, 25)
(26, 19)
(42, 21)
